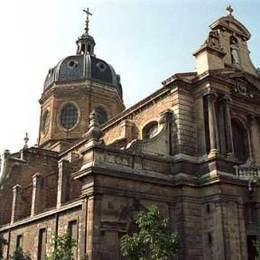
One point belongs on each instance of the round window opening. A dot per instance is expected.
(150, 130)
(69, 116)
(101, 66)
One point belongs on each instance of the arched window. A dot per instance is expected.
(240, 141)
(150, 130)
(102, 116)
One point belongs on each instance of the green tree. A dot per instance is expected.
(152, 241)
(2, 243)
(62, 247)
(257, 247)
(20, 255)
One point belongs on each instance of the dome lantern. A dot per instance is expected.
(86, 42)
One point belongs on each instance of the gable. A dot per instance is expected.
(233, 25)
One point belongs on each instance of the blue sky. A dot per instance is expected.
(146, 41)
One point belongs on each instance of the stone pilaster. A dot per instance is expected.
(36, 194)
(212, 121)
(250, 121)
(167, 118)
(93, 227)
(83, 230)
(63, 182)
(17, 203)
(228, 127)
(129, 130)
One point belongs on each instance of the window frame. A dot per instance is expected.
(60, 114)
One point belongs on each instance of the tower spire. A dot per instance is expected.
(86, 42)
(88, 13)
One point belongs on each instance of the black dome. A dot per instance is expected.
(82, 67)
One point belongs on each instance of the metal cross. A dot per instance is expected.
(88, 13)
(229, 10)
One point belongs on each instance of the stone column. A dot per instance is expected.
(250, 121)
(228, 127)
(36, 194)
(212, 121)
(63, 182)
(17, 203)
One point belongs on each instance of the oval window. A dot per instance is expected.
(150, 130)
(69, 116)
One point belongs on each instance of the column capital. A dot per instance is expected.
(36, 178)
(166, 116)
(62, 162)
(226, 98)
(17, 187)
(250, 119)
(212, 96)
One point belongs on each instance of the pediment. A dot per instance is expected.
(233, 25)
(245, 86)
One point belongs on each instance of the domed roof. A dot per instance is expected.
(81, 67)
(84, 66)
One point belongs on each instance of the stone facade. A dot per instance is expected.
(192, 148)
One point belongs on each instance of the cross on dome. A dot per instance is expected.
(88, 13)
(230, 10)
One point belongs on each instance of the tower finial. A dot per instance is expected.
(230, 10)
(88, 13)
(26, 140)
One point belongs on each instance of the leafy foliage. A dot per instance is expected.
(153, 241)
(62, 248)
(20, 255)
(257, 247)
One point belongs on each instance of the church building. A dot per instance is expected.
(192, 148)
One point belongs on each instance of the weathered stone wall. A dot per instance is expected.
(27, 164)
(180, 101)
(30, 231)
(85, 97)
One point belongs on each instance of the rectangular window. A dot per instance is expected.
(19, 242)
(42, 244)
(73, 232)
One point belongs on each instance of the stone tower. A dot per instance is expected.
(77, 85)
